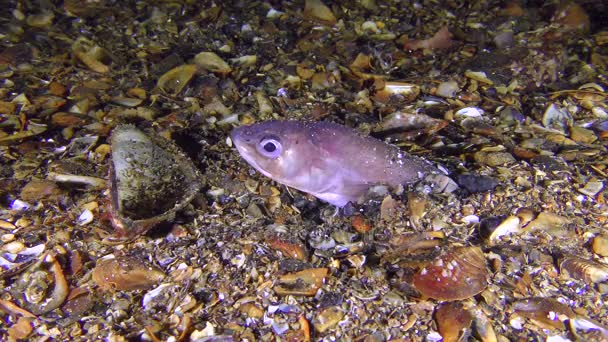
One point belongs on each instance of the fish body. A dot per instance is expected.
(328, 160)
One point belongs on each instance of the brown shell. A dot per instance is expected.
(582, 269)
(456, 274)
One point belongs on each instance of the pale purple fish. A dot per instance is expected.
(330, 161)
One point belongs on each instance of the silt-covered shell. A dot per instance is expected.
(150, 179)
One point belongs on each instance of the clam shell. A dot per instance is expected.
(150, 179)
(582, 269)
(459, 273)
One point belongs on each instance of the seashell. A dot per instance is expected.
(557, 118)
(40, 189)
(453, 322)
(408, 126)
(494, 158)
(244, 61)
(92, 62)
(42, 20)
(317, 11)
(327, 318)
(173, 81)
(125, 274)
(126, 101)
(472, 112)
(442, 39)
(493, 232)
(459, 273)
(362, 62)
(211, 62)
(43, 286)
(582, 135)
(547, 221)
(592, 188)
(572, 16)
(150, 179)
(582, 269)
(511, 115)
(303, 283)
(406, 91)
(360, 224)
(600, 245)
(447, 89)
(540, 309)
(478, 76)
(289, 249)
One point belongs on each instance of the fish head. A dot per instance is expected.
(280, 150)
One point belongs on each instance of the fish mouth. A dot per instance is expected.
(236, 134)
(247, 152)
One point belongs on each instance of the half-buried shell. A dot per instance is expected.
(150, 179)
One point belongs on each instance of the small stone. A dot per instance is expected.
(476, 183)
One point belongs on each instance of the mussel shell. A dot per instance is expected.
(150, 179)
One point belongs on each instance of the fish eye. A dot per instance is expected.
(270, 147)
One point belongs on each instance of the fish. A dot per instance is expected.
(330, 161)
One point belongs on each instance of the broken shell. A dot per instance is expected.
(472, 112)
(586, 270)
(478, 76)
(20, 330)
(125, 274)
(447, 89)
(303, 283)
(173, 81)
(317, 11)
(453, 322)
(126, 101)
(494, 158)
(327, 318)
(43, 286)
(289, 249)
(360, 224)
(416, 203)
(38, 189)
(209, 61)
(442, 39)
(150, 179)
(548, 221)
(40, 20)
(400, 90)
(546, 311)
(600, 245)
(493, 232)
(459, 273)
(592, 188)
(558, 118)
(407, 126)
